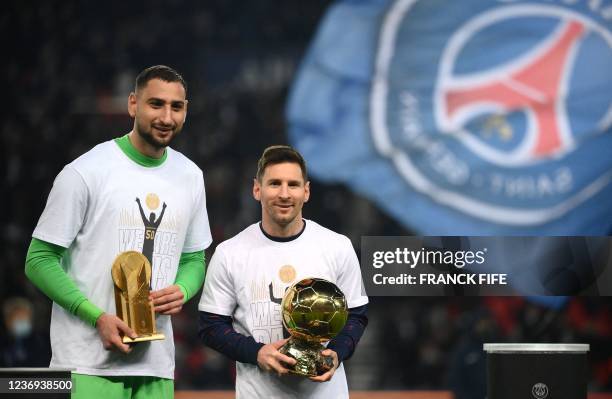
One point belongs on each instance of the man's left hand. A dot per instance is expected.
(328, 375)
(168, 301)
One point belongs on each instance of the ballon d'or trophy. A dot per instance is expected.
(314, 311)
(131, 274)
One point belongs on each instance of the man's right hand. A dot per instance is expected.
(109, 328)
(270, 359)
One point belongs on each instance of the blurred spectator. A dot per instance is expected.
(20, 344)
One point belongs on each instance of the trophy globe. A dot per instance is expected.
(314, 311)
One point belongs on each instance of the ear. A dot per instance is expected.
(132, 104)
(256, 189)
(306, 191)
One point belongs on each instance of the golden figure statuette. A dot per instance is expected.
(131, 273)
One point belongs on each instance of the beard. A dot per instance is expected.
(286, 219)
(146, 133)
(283, 220)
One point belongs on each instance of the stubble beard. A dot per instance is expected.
(145, 133)
(284, 220)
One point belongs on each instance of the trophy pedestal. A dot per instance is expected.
(518, 370)
(152, 337)
(310, 361)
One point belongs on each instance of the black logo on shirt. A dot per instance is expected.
(151, 224)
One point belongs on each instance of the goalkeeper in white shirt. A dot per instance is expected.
(95, 211)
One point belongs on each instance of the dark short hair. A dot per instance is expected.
(161, 72)
(280, 154)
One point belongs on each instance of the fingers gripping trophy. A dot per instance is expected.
(314, 311)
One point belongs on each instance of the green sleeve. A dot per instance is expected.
(44, 270)
(190, 274)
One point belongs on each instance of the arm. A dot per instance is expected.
(142, 215)
(191, 269)
(217, 303)
(349, 280)
(44, 270)
(189, 279)
(217, 332)
(57, 228)
(346, 341)
(161, 216)
(343, 345)
(191, 272)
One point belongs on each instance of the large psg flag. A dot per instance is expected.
(469, 117)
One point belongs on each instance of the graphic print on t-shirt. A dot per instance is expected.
(151, 224)
(265, 310)
(286, 274)
(155, 236)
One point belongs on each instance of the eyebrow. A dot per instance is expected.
(172, 102)
(275, 180)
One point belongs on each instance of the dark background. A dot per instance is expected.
(67, 70)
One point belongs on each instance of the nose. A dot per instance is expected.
(166, 116)
(284, 191)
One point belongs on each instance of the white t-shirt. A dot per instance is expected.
(92, 211)
(246, 279)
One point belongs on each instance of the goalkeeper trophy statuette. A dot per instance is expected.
(131, 273)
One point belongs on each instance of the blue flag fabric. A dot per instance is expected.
(464, 118)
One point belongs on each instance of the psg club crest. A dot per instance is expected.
(539, 391)
(464, 117)
(514, 113)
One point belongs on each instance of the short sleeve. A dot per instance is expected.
(198, 235)
(349, 275)
(65, 210)
(218, 295)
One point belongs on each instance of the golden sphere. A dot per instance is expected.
(314, 309)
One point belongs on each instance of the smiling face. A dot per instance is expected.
(159, 110)
(282, 192)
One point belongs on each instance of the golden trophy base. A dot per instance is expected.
(152, 337)
(310, 361)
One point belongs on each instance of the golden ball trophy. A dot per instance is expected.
(131, 273)
(314, 311)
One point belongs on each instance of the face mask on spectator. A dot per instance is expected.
(21, 328)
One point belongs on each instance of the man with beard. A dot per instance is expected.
(240, 304)
(91, 217)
